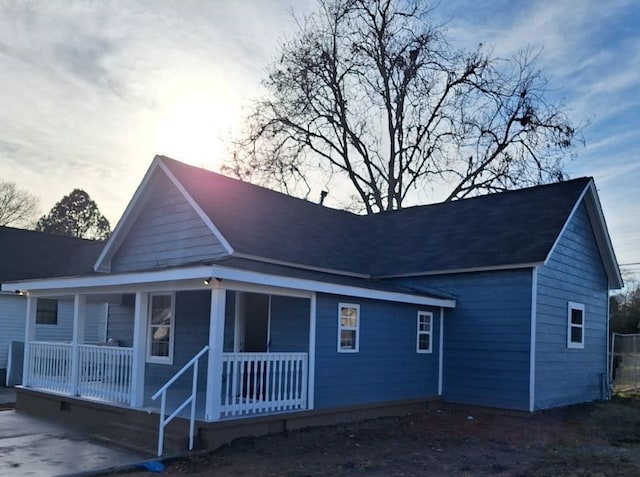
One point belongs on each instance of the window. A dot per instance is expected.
(575, 325)
(348, 324)
(47, 312)
(424, 336)
(160, 329)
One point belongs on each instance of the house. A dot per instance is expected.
(26, 254)
(288, 313)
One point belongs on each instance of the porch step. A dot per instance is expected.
(143, 438)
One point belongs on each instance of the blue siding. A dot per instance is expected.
(289, 324)
(386, 368)
(486, 337)
(575, 273)
(192, 310)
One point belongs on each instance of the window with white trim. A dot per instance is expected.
(348, 327)
(575, 325)
(424, 340)
(160, 328)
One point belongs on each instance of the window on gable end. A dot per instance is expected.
(575, 325)
(348, 328)
(424, 340)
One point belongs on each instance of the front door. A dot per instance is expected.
(253, 321)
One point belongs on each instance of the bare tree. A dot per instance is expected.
(372, 90)
(17, 207)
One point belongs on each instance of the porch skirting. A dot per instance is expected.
(103, 418)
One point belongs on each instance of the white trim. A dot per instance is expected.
(79, 322)
(29, 336)
(64, 284)
(325, 287)
(532, 345)
(167, 279)
(311, 374)
(138, 364)
(601, 233)
(205, 218)
(515, 266)
(356, 328)
(570, 307)
(213, 400)
(420, 332)
(300, 266)
(603, 239)
(440, 352)
(172, 330)
(263, 289)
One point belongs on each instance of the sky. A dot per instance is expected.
(90, 91)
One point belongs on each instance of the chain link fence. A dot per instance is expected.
(625, 362)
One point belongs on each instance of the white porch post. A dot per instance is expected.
(79, 314)
(216, 343)
(29, 336)
(139, 349)
(311, 372)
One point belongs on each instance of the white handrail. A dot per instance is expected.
(190, 400)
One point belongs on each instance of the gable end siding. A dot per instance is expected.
(486, 337)
(573, 273)
(167, 232)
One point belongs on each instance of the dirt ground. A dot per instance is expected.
(597, 439)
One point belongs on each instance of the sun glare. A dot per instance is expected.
(193, 129)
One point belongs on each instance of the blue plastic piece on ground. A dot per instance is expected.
(153, 466)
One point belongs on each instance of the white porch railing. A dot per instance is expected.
(104, 372)
(49, 366)
(263, 382)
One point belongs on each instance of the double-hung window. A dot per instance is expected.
(348, 327)
(424, 341)
(160, 330)
(575, 325)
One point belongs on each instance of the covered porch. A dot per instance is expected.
(231, 348)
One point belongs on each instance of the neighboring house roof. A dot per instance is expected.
(26, 254)
(506, 230)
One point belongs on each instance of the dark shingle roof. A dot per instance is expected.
(26, 254)
(261, 222)
(510, 228)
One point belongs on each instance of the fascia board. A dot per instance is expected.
(133, 281)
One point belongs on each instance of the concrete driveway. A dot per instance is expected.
(31, 446)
